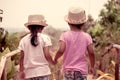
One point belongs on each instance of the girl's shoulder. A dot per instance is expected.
(26, 36)
(74, 32)
(66, 32)
(43, 35)
(86, 34)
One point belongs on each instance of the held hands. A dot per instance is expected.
(54, 62)
(22, 76)
(91, 71)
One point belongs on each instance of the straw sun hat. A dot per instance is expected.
(76, 15)
(36, 20)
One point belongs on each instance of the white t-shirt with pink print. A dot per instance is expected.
(35, 63)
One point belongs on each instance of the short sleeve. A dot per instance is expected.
(47, 41)
(62, 37)
(21, 46)
(89, 40)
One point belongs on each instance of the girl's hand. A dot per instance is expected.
(54, 62)
(91, 71)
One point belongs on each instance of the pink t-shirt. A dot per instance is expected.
(76, 47)
(35, 63)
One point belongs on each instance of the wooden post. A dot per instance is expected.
(4, 75)
(117, 61)
(2, 65)
(117, 67)
(58, 73)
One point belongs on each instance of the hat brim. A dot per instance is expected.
(75, 22)
(36, 23)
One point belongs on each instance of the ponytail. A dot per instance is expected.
(34, 40)
(34, 30)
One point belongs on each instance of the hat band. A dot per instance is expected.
(77, 21)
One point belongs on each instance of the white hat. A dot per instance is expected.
(36, 20)
(76, 15)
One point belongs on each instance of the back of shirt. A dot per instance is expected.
(76, 47)
(35, 63)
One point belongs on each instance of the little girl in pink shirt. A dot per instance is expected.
(73, 47)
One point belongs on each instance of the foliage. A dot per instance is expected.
(8, 42)
(96, 30)
(3, 36)
(12, 41)
(90, 22)
(105, 32)
(12, 72)
(107, 29)
(4, 52)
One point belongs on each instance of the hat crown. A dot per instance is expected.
(76, 15)
(36, 18)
